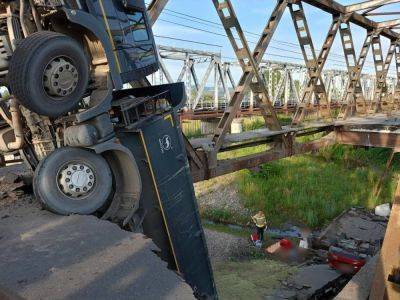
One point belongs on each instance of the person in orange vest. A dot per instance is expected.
(261, 223)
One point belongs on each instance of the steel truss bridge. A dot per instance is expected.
(369, 107)
(285, 82)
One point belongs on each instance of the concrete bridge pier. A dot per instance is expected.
(208, 126)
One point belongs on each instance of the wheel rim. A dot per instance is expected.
(60, 77)
(76, 180)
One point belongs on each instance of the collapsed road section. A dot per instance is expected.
(45, 256)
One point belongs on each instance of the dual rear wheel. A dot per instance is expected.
(49, 73)
(73, 181)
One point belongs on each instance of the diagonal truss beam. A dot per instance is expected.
(370, 4)
(396, 96)
(354, 100)
(250, 65)
(154, 10)
(315, 85)
(202, 86)
(388, 24)
(381, 68)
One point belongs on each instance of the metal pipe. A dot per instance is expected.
(3, 114)
(22, 17)
(36, 16)
(17, 126)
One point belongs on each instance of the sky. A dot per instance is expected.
(177, 21)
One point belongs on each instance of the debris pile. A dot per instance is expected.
(14, 186)
(328, 259)
(312, 282)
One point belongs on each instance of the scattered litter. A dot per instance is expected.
(290, 232)
(286, 244)
(273, 249)
(303, 244)
(383, 210)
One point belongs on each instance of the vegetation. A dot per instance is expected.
(253, 279)
(315, 189)
(310, 189)
(192, 129)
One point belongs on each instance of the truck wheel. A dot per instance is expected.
(73, 181)
(48, 73)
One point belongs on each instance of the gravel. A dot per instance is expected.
(223, 246)
(221, 193)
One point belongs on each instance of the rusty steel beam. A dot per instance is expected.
(382, 65)
(370, 4)
(227, 166)
(368, 138)
(155, 9)
(353, 137)
(315, 85)
(249, 63)
(396, 96)
(389, 257)
(354, 97)
(388, 24)
(335, 8)
(383, 13)
(214, 114)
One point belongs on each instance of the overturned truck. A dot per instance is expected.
(99, 138)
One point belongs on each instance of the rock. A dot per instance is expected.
(9, 178)
(383, 210)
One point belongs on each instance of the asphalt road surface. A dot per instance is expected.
(45, 256)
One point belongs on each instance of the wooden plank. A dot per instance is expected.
(389, 257)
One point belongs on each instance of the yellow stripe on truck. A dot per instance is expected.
(158, 197)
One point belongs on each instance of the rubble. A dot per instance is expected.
(356, 230)
(335, 254)
(15, 183)
(312, 282)
(9, 178)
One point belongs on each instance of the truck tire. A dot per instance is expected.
(73, 181)
(48, 73)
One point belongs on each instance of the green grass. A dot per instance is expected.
(191, 129)
(223, 216)
(315, 189)
(310, 189)
(252, 279)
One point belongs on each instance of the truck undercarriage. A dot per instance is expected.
(97, 146)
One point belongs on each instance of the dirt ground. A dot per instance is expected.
(238, 273)
(218, 194)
